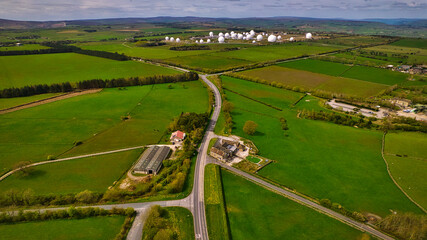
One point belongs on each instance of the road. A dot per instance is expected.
(364, 111)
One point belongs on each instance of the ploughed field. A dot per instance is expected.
(316, 158)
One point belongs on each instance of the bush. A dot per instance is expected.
(405, 225)
(250, 127)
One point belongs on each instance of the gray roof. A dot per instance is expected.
(152, 158)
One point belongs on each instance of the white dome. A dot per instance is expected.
(244, 38)
(178, 40)
(172, 39)
(279, 37)
(253, 41)
(201, 41)
(249, 37)
(211, 34)
(308, 36)
(197, 41)
(234, 36)
(227, 35)
(272, 38)
(208, 41)
(221, 39)
(239, 36)
(252, 32)
(167, 38)
(292, 39)
(259, 38)
(220, 34)
(232, 32)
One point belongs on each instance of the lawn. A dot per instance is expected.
(12, 102)
(256, 213)
(208, 62)
(18, 71)
(370, 74)
(414, 55)
(95, 119)
(216, 217)
(77, 229)
(310, 80)
(406, 154)
(94, 173)
(411, 42)
(320, 159)
(23, 47)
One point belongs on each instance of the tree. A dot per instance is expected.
(227, 106)
(21, 167)
(250, 127)
(86, 197)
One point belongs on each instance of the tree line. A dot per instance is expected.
(190, 48)
(336, 118)
(96, 83)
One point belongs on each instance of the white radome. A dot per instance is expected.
(167, 38)
(221, 39)
(234, 36)
(197, 41)
(253, 41)
(211, 34)
(252, 32)
(220, 34)
(249, 37)
(232, 32)
(208, 41)
(201, 41)
(239, 36)
(292, 39)
(244, 38)
(227, 35)
(172, 39)
(259, 38)
(279, 37)
(178, 40)
(308, 36)
(272, 38)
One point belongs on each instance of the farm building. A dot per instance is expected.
(151, 160)
(225, 150)
(177, 136)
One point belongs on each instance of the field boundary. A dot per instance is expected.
(253, 99)
(391, 176)
(49, 100)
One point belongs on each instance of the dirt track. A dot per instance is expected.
(49, 100)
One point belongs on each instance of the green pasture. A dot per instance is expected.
(411, 43)
(94, 173)
(320, 159)
(406, 154)
(216, 217)
(24, 47)
(18, 71)
(257, 213)
(208, 62)
(310, 80)
(370, 74)
(354, 40)
(95, 119)
(65, 229)
(414, 55)
(12, 102)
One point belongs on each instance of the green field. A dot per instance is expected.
(94, 173)
(309, 80)
(411, 42)
(370, 74)
(95, 119)
(256, 213)
(216, 217)
(13, 102)
(352, 154)
(69, 67)
(23, 47)
(406, 154)
(208, 62)
(77, 229)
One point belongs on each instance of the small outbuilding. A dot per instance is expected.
(151, 161)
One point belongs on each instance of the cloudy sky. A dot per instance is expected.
(92, 9)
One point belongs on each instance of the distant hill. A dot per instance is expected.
(12, 24)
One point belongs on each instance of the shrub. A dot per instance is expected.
(250, 127)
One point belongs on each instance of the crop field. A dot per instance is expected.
(370, 74)
(95, 119)
(94, 173)
(24, 47)
(310, 80)
(413, 55)
(354, 40)
(12, 102)
(406, 154)
(352, 154)
(69, 67)
(95, 228)
(412, 43)
(256, 213)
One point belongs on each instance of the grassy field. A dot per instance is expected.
(77, 229)
(370, 74)
(406, 154)
(316, 158)
(256, 213)
(95, 119)
(23, 47)
(216, 217)
(69, 67)
(414, 55)
(95, 174)
(310, 80)
(208, 62)
(12, 102)
(411, 42)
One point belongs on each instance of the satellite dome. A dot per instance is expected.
(253, 41)
(259, 38)
(272, 38)
(252, 32)
(172, 39)
(221, 34)
(234, 36)
(308, 36)
(227, 35)
(249, 37)
(201, 41)
(167, 38)
(197, 41)
(211, 34)
(244, 38)
(232, 32)
(292, 39)
(239, 36)
(221, 39)
(279, 37)
(178, 40)
(208, 41)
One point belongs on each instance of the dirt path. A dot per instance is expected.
(49, 100)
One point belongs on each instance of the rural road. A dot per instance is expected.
(365, 112)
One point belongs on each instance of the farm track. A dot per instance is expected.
(49, 100)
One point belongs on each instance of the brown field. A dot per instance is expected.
(127, 30)
(309, 80)
(70, 31)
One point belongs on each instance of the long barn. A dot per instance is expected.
(151, 160)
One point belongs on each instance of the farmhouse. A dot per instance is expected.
(151, 160)
(403, 103)
(177, 136)
(224, 150)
